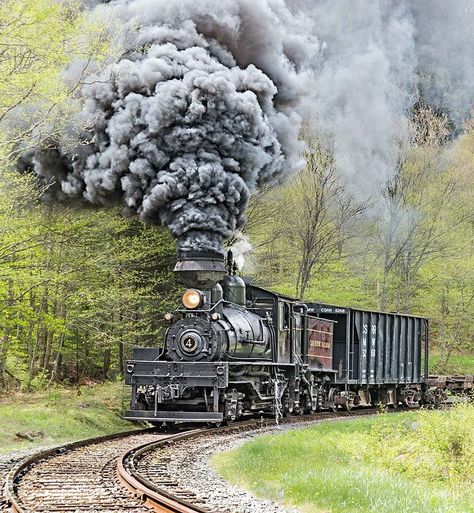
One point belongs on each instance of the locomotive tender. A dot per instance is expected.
(234, 349)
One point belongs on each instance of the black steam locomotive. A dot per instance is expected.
(234, 349)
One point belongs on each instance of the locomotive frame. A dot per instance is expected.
(245, 350)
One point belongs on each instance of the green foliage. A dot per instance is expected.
(458, 364)
(38, 40)
(61, 415)
(332, 467)
(78, 288)
(437, 446)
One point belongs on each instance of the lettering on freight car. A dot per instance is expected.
(373, 338)
(320, 340)
(363, 361)
(319, 343)
(325, 309)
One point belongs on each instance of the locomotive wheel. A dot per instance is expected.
(332, 399)
(352, 400)
(308, 406)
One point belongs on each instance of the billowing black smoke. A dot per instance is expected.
(205, 105)
(201, 110)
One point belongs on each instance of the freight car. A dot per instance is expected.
(235, 349)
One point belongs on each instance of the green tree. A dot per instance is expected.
(78, 287)
(309, 222)
(38, 40)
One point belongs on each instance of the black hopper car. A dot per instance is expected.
(233, 349)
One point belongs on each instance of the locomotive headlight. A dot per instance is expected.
(192, 298)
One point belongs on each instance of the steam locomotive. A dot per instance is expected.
(234, 349)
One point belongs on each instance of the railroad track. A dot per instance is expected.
(76, 477)
(135, 472)
(167, 474)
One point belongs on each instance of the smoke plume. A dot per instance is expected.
(202, 109)
(206, 103)
(377, 59)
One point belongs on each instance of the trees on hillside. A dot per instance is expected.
(413, 251)
(77, 287)
(301, 228)
(415, 199)
(75, 284)
(324, 215)
(39, 39)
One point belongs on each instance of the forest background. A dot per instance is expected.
(80, 286)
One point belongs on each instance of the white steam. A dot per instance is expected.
(241, 248)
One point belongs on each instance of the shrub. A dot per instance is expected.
(437, 446)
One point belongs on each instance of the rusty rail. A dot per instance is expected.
(20, 468)
(160, 499)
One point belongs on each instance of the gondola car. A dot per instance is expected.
(234, 349)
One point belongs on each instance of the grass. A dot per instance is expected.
(458, 363)
(61, 415)
(333, 467)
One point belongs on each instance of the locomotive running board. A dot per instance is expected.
(172, 416)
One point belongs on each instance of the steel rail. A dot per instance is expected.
(163, 501)
(19, 469)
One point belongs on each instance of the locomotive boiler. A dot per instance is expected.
(214, 323)
(234, 349)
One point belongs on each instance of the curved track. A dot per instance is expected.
(159, 471)
(77, 477)
(134, 472)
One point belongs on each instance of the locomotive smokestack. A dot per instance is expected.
(200, 269)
